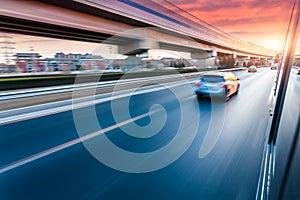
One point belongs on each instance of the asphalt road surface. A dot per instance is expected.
(163, 144)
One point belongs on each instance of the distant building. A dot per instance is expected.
(89, 62)
(32, 62)
(29, 62)
(72, 56)
(7, 68)
(63, 62)
(59, 64)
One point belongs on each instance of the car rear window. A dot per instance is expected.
(212, 79)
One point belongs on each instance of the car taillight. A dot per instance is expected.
(197, 84)
(223, 85)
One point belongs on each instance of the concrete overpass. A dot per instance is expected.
(133, 26)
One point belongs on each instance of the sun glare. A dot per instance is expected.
(274, 44)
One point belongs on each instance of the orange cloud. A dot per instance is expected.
(250, 20)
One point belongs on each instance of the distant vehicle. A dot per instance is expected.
(220, 84)
(274, 66)
(252, 68)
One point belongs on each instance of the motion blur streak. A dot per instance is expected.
(234, 161)
(70, 143)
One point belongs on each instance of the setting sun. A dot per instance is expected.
(273, 44)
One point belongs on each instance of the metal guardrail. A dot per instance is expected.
(24, 93)
(70, 88)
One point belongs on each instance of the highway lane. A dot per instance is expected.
(229, 171)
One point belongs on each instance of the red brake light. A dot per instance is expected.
(197, 84)
(223, 85)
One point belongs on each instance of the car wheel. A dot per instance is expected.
(198, 96)
(237, 89)
(226, 97)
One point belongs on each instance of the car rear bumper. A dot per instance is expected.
(208, 93)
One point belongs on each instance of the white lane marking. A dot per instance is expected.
(190, 98)
(70, 143)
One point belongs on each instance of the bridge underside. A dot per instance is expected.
(88, 24)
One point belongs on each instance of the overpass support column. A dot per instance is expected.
(242, 60)
(264, 61)
(254, 61)
(205, 58)
(134, 47)
(225, 60)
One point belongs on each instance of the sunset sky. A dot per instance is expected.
(263, 22)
